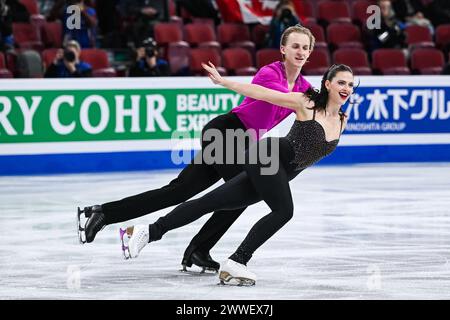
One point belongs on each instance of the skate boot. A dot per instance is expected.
(95, 222)
(134, 239)
(235, 273)
(193, 255)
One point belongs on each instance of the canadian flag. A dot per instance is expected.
(247, 11)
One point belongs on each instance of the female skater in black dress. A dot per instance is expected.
(314, 135)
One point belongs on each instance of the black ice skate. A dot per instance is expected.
(94, 223)
(199, 258)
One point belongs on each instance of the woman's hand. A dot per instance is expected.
(213, 74)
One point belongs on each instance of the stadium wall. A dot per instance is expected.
(118, 124)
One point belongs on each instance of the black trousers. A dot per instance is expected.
(193, 179)
(241, 191)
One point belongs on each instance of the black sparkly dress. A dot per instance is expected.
(308, 141)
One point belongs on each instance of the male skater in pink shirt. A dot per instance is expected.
(251, 115)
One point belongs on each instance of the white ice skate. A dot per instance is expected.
(135, 240)
(235, 273)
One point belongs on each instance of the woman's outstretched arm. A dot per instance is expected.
(291, 100)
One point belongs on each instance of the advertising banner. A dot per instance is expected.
(97, 120)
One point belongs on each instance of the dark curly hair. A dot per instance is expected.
(320, 97)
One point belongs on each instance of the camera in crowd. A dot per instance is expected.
(69, 55)
(151, 47)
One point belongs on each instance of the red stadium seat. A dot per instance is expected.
(427, 61)
(319, 35)
(359, 11)
(172, 8)
(200, 33)
(235, 35)
(389, 62)
(104, 73)
(418, 36)
(333, 11)
(32, 7)
(238, 61)
(2, 61)
(186, 15)
(26, 36)
(344, 35)
(305, 11)
(318, 63)
(178, 56)
(233, 32)
(443, 36)
(98, 59)
(355, 58)
(37, 20)
(207, 21)
(259, 33)
(11, 61)
(48, 55)
(199, 55)
(52, 34)
(4, 73)
(166, 33)
(267, 56)
(177, 20)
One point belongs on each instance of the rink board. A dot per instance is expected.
(122, 124)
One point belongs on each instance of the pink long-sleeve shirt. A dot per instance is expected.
(262, 116)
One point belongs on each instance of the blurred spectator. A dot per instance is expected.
(67, 63)
(284, 17)
(86, 34)
(411, 12)
(199, 8)
(18, 11)
(110, 24)
(55, 9)
(148, 64)
(6, 38)
(390, 34)
(446, 70)
(11, 11)
(439, 12)
(143, 15)
(45, 6)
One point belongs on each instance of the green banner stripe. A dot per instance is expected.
(85, 115)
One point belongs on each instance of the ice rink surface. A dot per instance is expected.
(359, 232)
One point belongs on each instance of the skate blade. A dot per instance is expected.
(227, 279)
(124, 241)
(201, 271)
(125, 236)
(80, 229)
